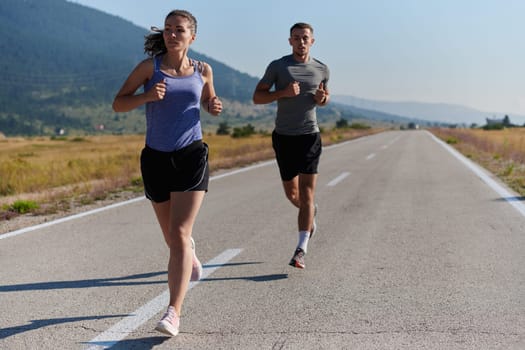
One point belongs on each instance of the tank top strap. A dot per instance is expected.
(197, 65)
(156, 63)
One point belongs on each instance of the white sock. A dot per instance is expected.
(303, 240)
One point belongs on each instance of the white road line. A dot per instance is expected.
(67, 218)
(390, 143)
(394, 140)
(370, 156)
(122, 329)
(98, 210)
(242, 170)
(338, 179)
(345, 143)
(502, 191)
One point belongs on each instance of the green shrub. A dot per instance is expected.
(341, 124)
(136, 181)
(223, 129)
(494, 127)
(359, 126)
(23, 206)
(244, 131)
(508, 170)
(451, 140)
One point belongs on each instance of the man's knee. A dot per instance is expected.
(292, 195)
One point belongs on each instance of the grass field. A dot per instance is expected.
(502, 152)
(47, 175)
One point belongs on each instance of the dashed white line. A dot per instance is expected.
(140, 316)
(338, 179)
(370, 156)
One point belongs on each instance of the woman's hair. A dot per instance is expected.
(154, 42)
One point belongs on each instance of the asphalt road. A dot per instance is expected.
(416, 249)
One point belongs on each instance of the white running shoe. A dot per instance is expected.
(169, 323)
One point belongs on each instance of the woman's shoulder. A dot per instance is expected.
(144, 69)
(145, 64)
(202, 67)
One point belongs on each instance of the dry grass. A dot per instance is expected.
(502, 152)
(33, 165)
(61, 173)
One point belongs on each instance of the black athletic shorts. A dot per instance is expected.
(178, 171)
(297, 154)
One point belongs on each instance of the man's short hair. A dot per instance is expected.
(301, 25)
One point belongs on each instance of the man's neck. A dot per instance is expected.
(301, 58)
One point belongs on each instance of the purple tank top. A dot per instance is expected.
(174, 122)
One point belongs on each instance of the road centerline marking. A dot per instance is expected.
(124, 327)
(338, 179)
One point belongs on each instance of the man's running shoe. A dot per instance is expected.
(314, 224)
(196, 267)
(169, 323)
(298, 259)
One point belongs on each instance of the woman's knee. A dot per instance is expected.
(177, 240)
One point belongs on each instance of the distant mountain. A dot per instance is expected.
(57, 58)
(62, 63)
(430, 112)
(335, 111)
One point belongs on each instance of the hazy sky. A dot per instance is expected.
(467, 52)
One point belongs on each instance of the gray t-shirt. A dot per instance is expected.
(296, 115)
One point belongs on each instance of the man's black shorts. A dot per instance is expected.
(297, 154)
(179, 171)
